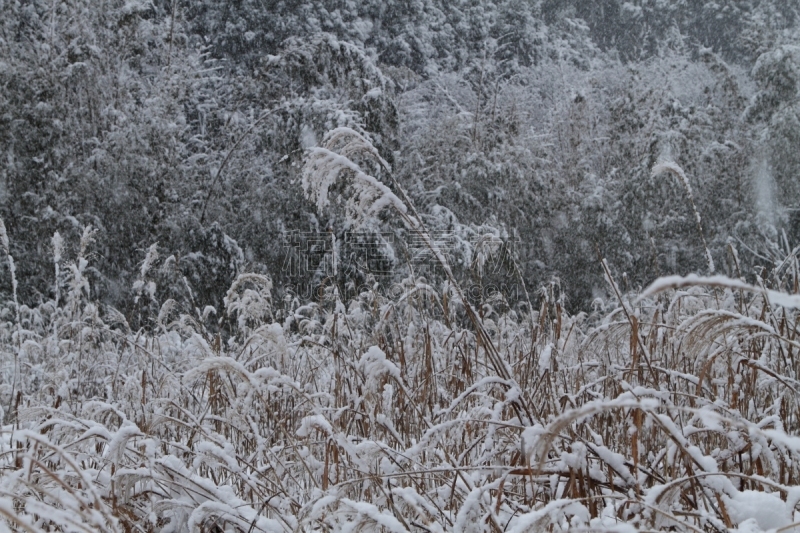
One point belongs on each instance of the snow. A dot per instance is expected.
(551, 513)
(377, 517)
(777, 298)
(767, 510)
(544, 359)
(374, 365)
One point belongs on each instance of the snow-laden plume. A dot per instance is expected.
(150, 258)
(673, 168)
(324, 164)
(143, 285)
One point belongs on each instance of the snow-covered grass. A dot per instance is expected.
(677, 409)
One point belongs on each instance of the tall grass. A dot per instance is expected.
(675, 410)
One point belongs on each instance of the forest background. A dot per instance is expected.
(185, 124)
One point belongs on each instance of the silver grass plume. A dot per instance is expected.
(324, 164)
(674, 169)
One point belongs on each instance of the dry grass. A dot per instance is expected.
(388, 414)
